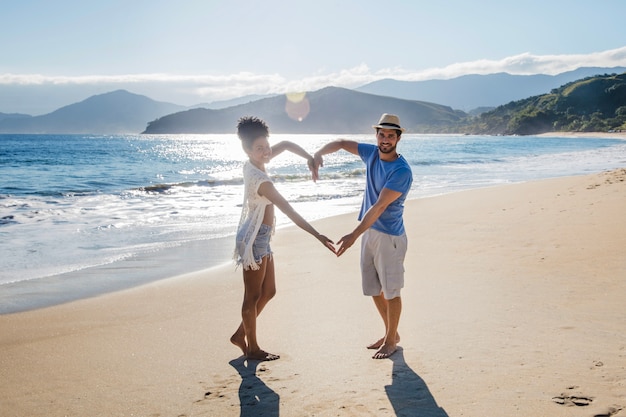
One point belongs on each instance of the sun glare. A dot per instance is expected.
(297, 106)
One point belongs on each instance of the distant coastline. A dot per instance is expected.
(481, 104)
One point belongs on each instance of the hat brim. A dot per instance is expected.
(389, 127)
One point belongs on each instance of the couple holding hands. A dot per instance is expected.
(381, 227)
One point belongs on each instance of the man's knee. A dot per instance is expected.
(391, 294)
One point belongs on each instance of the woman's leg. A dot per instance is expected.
(260, 287)
(253, 282)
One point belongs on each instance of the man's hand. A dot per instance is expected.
(346, 242)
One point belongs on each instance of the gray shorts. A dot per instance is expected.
(382, 263)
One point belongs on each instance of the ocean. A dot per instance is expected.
(84, 214)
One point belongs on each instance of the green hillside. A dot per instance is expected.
(593, 104)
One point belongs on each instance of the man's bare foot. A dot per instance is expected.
(380, 342)
(385, 351)
(262, 355)
(239, 340)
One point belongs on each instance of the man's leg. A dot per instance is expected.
(390, 310)
(382, 307)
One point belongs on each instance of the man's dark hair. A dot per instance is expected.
(249, 128)
(398, 131)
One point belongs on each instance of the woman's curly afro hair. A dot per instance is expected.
(250, 128)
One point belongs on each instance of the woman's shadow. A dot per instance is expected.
(255, 398)
(408, 393)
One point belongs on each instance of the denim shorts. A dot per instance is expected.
(260, 246)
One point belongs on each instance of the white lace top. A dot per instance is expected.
(252, 213)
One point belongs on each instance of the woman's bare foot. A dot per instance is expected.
(377, 344)
(239, 340)
(262, 355)
(385, 351)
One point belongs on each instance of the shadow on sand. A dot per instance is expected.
(408, 393)
(255, 398)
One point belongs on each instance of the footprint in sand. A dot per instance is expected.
(610, 412)
(572, 400)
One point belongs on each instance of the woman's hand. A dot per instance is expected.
(310, 161)
(328, 243)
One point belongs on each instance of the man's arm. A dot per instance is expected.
(334, 146)
(385, 198)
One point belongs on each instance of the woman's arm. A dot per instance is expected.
(268, 190)
(286, 145)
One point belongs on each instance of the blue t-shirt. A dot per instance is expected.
(395, 175)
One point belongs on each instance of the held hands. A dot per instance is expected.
(344, 243)
(328, 243)
(314, 163)
(310, 161)
(318, 162)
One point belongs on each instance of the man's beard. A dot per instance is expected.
(389, 150)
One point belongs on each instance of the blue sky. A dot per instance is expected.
(192, 51)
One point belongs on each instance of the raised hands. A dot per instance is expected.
(318, 162)
(314, 163)
(310, 161)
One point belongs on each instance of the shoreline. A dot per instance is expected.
(141, 269)
(513, 305)
(135, 271)
(129, 273)
(149, 267)
(603, 135)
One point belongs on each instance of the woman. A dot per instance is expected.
(253, 250)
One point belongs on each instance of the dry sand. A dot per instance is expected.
(514, 305)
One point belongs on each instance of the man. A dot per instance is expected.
(384, 241)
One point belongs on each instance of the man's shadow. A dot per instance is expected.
(408, 393)
(255, 398)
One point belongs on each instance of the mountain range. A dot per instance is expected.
(329, 110)
(110, 113)
(470, 92)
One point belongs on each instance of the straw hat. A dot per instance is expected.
(389, 121)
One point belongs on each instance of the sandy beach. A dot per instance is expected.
(513, 306)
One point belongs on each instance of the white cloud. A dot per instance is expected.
(525, 64)
(191, 89)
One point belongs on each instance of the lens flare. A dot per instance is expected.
(297, 106)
